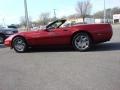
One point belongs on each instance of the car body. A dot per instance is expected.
(84, 35)
(6, 32)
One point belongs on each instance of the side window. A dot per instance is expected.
(58, 24)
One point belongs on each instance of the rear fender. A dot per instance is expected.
(83, 31)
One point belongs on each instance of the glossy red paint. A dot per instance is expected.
(63, 35)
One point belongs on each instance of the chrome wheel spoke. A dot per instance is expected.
(19, 45)
(82, 42)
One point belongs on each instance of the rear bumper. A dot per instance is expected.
(103, 37)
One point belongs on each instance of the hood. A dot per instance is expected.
(31, 33)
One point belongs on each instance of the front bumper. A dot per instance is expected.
(7, 43)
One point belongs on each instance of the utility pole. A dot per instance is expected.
(3, 22)
(26, 15)
(104, 11)
(54, 13)
(110, 11)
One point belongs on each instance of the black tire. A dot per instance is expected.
(2, 39)
(19, 44)
(82, 42)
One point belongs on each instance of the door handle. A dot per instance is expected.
(65, 30)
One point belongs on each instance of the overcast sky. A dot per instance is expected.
(12, 10)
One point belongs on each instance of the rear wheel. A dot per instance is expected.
(19, 44)
(82, 42)
(2, 38)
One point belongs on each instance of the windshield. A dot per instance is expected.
(55, 24)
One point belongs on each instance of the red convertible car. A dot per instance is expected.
(81, 36)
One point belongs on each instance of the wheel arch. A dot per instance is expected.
(20, 37)
(83, 31)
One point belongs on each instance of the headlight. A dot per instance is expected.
(9, 32)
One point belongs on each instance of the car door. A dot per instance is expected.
(58, 36)
(54, 34)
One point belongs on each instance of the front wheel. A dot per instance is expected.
(82, 42)
(19, 45)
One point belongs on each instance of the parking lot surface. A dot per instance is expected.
(62, 69)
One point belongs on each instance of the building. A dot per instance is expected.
(80, 20)
(116, 18)
(98, 20)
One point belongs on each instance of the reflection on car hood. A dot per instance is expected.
(31, 32)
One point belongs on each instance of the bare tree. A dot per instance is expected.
(44, 18)
(109, 13)
(23, 21)
(84, 8)
(116, 10)
(72, 16)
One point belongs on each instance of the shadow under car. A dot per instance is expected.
(112, 46)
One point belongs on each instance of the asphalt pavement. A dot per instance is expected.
(62, 69)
